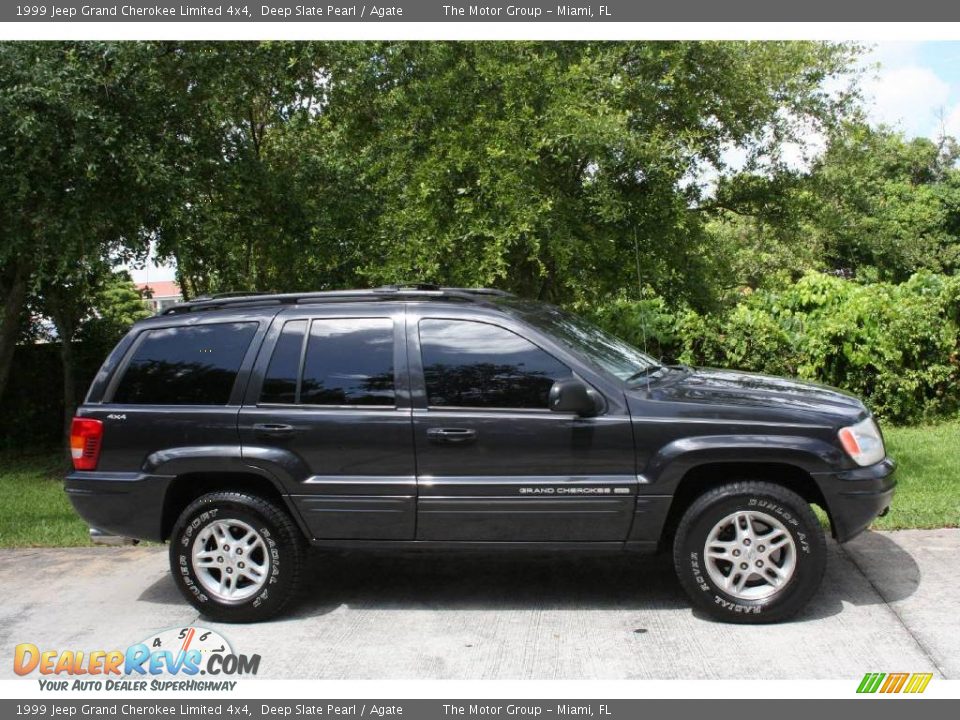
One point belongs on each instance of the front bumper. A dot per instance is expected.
(856, 497)
(122, 504)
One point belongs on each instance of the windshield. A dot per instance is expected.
(603, 349)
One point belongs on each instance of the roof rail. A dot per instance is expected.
(233, 294)
(418, 291)
(496, 292)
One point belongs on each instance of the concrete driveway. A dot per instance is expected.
(889, 602)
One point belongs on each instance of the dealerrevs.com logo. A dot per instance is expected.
(898, 682)
(169, 660)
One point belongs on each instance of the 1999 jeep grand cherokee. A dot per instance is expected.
(243, 429)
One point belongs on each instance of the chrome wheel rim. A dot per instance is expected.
(750, 555)
(230, 560)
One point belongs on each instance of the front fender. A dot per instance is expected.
(668, 466)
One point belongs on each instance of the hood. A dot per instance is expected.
(751, 390)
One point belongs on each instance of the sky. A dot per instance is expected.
(916, 89)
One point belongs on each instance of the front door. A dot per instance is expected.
(328, 405)
(493, 463)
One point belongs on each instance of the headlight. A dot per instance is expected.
(863, 442)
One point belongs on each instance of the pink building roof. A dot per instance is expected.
(162, 289)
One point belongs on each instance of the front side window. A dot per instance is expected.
(601, 348)
(349, 361)
(195, 365)
(474, 364)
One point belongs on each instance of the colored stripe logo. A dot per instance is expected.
(899, 682)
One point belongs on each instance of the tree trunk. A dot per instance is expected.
(69, 362)
(14, 295)
(65, 328)
(187, 287)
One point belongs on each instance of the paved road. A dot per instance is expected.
(889, 603)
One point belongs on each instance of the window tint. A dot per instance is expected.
(349, 362)
(608, 351)
(194, 365)
(473, 364)
(280, 382)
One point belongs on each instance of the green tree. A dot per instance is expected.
(78, 141)
(245, 211)
(887, 206)
(92, 304)
(540, 166)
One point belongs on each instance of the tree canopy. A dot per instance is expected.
(567, 171)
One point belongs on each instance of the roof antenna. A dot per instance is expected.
(643, 314)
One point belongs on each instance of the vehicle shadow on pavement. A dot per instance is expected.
(852, 578)
(490, 581)
(475, 580)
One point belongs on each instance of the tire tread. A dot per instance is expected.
(790, 605)
(292, 539)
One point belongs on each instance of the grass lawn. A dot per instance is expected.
(928, 477)
(35, 512)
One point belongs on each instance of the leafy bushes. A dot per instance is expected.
(897, 346)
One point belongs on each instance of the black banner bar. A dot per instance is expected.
(452, 11)
(782, 709)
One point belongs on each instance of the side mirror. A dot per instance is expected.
(571, 395)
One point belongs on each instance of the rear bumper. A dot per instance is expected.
(123, 504)
(856, 497)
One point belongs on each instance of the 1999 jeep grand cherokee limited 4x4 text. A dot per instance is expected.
(243, 429)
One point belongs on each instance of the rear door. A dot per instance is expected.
(328, 401)
(494, 464)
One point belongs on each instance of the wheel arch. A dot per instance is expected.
(709, 475)
(687, 468)
(188, 486)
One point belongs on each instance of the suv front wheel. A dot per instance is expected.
(236, 557)
(750, 552)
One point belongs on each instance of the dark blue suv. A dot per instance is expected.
(244, 429)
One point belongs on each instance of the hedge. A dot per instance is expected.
(32, 403)
(897, 346)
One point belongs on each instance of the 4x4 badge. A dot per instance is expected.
(116, 416)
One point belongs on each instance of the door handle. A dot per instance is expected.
(451, 436)
(273, 430)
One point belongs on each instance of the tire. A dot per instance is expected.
(738, 520)
(218, 579)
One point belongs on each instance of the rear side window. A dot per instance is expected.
(474, 364)
(348, 361)
(194, 365)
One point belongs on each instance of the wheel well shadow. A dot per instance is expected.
(703, 478)
(186, 488)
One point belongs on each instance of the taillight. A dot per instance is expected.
(85, 437)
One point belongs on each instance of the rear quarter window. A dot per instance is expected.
(195, 365)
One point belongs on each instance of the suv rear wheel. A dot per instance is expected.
(750, 552)
(236, 557)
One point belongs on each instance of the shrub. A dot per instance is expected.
(897, 346)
